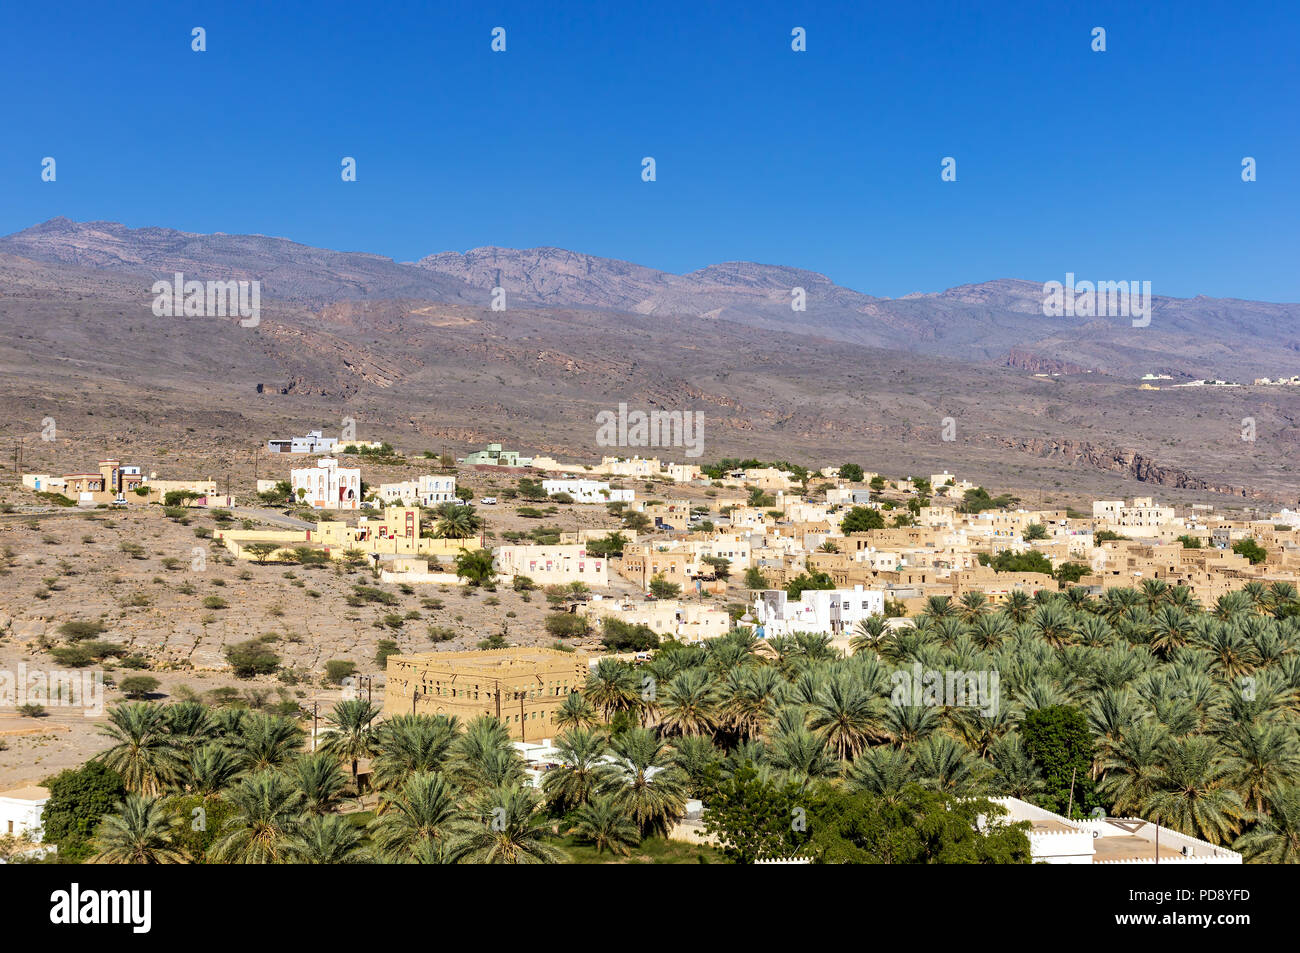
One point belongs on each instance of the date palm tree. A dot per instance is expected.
(406, 744)
(1018, 605)
(144, 752)
(575, 712)
(326, 839)
(801, 754)
(350, 736)
(1132, 772)
(1015, 773)
(483, 756)
(1262, 758)
(1171, 630)
(611, 688)
(1053, 624)
(847, 712)
(267, 809)
(418, 816)
(190, 723)
(319, 779)
(645, 784)
(696, 756)
(972, 605)
(142, 830)
(582, 770)
(942, 764)
(1283, 600)
(267, 742)
(905, 725)
(211, 769)
(688, 704)
(601, 824)
(748, 697)
(456, 521)
(1193, 792)
(1155, 593)
(882, 772)
(991, 629)
(504, 826)
(1276, 838)
(868, 633)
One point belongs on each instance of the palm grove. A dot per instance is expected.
(1139, 703)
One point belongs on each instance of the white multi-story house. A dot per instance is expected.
(684, 621)
(832, 612)
(428, 490)
(588, 491)
(1142, 513)
(552, 565)
(314, 442)
(327, 486)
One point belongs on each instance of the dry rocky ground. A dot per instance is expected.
(176, 599)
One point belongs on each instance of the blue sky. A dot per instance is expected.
(1117, 165)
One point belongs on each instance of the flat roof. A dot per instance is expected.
(33, 792)
(1129, 847)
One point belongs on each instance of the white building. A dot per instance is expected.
(20, 812)
(1054, 839)
(848, 496)
(428, 490)
(552, 565)
(588, 491)
(683, 621)
(832, 612)
(327, 486)
(314, 442)
(1142, 513)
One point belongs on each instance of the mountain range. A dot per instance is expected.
(415, 352)
(985, 322)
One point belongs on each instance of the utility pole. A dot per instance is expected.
(315, 711)
(1070, 810)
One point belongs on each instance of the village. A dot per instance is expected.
(559, 568)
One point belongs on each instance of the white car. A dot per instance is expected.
(488, 501)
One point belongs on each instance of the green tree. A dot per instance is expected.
(753, 818)
(1059, 741)
(79, 798)
(1251, 550)
(920, 827)
(661, 588)
(475, 567)
(851, 472)
(859, 519)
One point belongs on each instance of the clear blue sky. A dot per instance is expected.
(1117, 165)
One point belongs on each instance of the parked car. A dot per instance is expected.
(488, 501)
